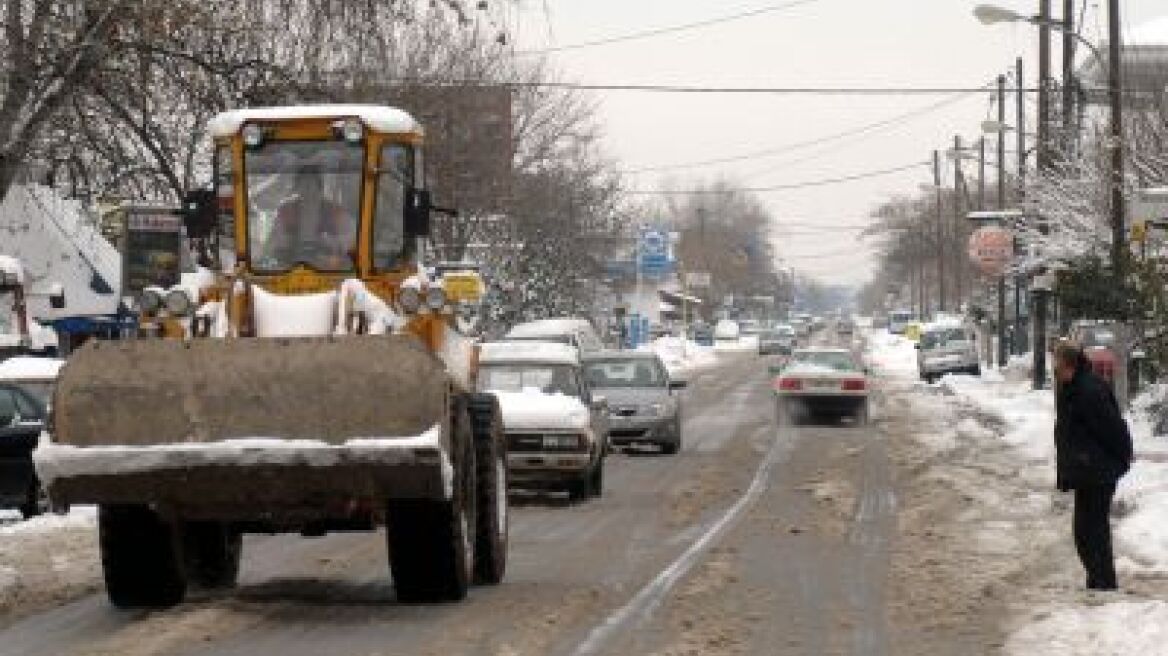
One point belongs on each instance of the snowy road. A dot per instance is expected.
(756, 539)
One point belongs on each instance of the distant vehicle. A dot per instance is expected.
(778, 340)
(821, 381)
(22, 418)
(643, 404)
(845, 326)
(945, 348)
(802, 326)
(702, 334)
(898, 320)
(1098, 341)
(556, 428)
(750, 327)
(727, 333)
(572, 331)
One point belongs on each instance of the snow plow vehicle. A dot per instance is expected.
(311, 381)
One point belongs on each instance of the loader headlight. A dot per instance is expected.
(352, 130)
(409, 299)
(253, 135)
(150, 301)
(178, 302)
(435, 298)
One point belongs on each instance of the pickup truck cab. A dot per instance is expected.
(556, 428)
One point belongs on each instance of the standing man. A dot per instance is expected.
(1093, 451)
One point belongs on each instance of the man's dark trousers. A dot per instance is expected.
(1093, 533)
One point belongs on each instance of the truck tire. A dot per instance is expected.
(493, 514)
(211, 552)
(431, 541)
(139, 557)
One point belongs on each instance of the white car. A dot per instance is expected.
(727, 333)
(822, 381)
(946, 348)
(569, 330)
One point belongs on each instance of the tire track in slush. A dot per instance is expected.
(650, 597)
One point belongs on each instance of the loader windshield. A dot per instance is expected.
(303, 200)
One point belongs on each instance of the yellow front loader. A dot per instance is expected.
(312, 381)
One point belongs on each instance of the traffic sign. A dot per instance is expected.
(697, 279)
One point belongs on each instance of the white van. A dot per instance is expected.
(946, 348)
(726, 333)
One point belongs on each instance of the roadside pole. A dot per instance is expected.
(1002, 354)
(940, 231)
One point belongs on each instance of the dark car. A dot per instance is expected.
(702, 334)
(22, 418)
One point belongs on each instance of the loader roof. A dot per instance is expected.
(529, 351)
(376, 117)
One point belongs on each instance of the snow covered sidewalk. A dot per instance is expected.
(1016, 512)
(47, 560)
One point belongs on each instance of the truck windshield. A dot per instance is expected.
(303, 201)
(546, 378)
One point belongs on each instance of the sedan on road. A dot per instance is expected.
(821, 382)
(778, 340)
(643, 401)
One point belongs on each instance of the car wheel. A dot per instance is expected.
(36, 502)
(140, 557)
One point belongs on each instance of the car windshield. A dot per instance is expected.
(42, 390)
(303, 200)
(1098, 337)
(626, 372)
(837, 360)
(943, 337)
(546, 378)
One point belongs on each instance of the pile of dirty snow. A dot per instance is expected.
(681, 357)
(890, 355)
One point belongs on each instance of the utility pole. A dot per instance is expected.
(940, 232)
(1042, 161)
(1002, 206)
(981, 175)
(1115, 92)
(1068, 75)
(1016, 341)
(1043, 83)
(957, 180)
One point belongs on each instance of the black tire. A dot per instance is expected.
(211, 553)
(140, 558)
(431, 542)
(596, 479)
(36, 501)
(671, 448)
(491, 533)
(976, 370)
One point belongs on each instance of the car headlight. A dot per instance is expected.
(409, 299)
(178, 302)
(435, 298)
(352, 130)
(150, 301)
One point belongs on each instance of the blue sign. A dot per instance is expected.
(653, 249)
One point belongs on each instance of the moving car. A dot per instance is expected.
(643, 401)
(726, 333)
(947, 348)
(22, 418)
(822, 381)
(556, 428)
(778, 340)
(898, 321)
(569, 330)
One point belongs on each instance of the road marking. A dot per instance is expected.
(653, 594)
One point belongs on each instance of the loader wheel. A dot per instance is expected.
(139, 557)
(431, 542)
(491, 459)
(211, 552)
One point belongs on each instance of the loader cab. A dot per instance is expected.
(321, 191)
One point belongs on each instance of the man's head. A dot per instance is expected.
(1067, 356)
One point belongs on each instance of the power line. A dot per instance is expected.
(800, 145)
(783, 187)
(684, 89)
(634, 36)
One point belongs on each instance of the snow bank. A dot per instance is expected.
(1119, 628)
(534, 410)
(77, 517)
(681, 357)
(890, 355)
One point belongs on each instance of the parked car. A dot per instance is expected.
(644, 403)
(821, 381)
(557, 429)
(898, 321)
(727, 333)
(1098, 341)
(572, 331)
(22, 418)
(702, 334)
(778, 340)
(845, 326)
(947, 348)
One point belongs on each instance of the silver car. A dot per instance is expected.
(644, 403)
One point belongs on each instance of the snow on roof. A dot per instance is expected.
(544, 327)
(29, 368)
(550, 352)
(11, 265)
(376, 117)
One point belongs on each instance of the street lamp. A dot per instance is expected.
(992, 15)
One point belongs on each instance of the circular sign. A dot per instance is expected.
(991, 249)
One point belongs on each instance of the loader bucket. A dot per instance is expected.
(329, 389)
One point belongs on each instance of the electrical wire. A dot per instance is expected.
(635, 36)
(784, 187)
(802, 145)
(698, 89)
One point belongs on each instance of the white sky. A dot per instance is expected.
(848, 43)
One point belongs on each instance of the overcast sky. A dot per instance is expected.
(841, 43)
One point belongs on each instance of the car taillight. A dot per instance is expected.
(790, 384)
(854, 385)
